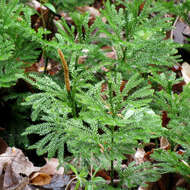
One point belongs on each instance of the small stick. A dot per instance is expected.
(174, 24)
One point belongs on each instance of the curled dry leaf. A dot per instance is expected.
(51, 167)
(109, 52)
(39, 178)
(58, 182)
(186, 72)
(122, 86)
(178, 88)
(139, 156)
(149, 187)
(92, 11)
(82, 59)
(186, 31)
(111, 55)
(13, 181)
(67, 18)
(181, 151)
(164, 143)
(35, 4)
(180, 182)
(179, 31)
(18, 161)
(104, 174)
(165, 118)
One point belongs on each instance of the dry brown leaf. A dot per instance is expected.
(186, 72)
(51, 167)
(164, 143)
(178, 32)
(165, 118)
(13, 181)
(180, 182)
(93, 11)
(23, 185)
(82, 59)
(139, 156)
(18, 161)
(66, 17)
(39, 178)
(35, 4)
(3, 146)
(104, 174)
(186, 31)
(111, 55)
(149, 187)
(58, 182)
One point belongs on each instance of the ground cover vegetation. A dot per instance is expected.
(102, 86)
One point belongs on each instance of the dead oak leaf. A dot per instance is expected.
(51, 167)
(13, 181)
(39, 178)
(18, 161)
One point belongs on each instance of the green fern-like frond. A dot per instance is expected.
(51, 96)
(124, 109)
(17, 49)
(172, 162)
(140, 174)
(52, 131)
(176, 106)
(138, 39)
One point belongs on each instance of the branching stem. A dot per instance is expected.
(112, 130)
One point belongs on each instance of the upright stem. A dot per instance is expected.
(46, 62)
(42, 16)
(45, 36)
(112, 166)
(73, 105)
(112, 130)
(67, 83)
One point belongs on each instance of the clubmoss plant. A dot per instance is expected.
(103, 108)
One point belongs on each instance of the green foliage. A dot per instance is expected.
(177, 108)
(17, 120)
(172, 162)
(94, 112)
(180, 9)
(135, 175)
(114, 104)
(15, 48)
(134, 34)
(69, 5)
(102, 124)
(19, 48)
